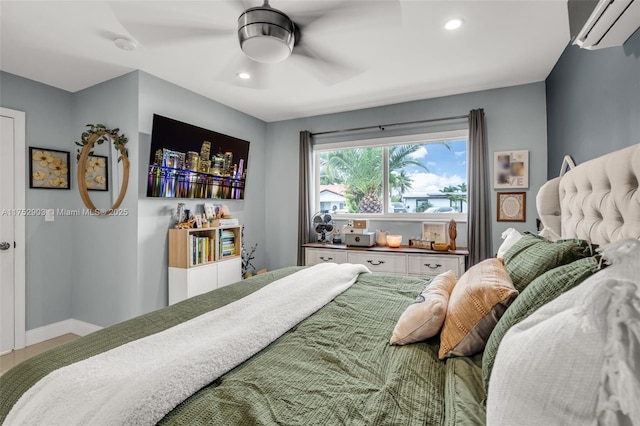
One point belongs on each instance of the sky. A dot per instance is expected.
(446, 167)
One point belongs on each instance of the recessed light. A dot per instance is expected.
(453, 24)
(244, 75)
(125, 43)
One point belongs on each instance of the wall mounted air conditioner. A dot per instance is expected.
(611, 23)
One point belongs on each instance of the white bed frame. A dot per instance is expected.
(598, 200)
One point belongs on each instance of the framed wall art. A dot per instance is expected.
(512, 206)
(434, 231)
(96, 175)
(48, 168)
(511, 169)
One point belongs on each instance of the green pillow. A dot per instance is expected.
(532, 256)
(542, 290)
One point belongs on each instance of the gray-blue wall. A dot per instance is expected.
(104, 270)
(155, 215)
(104, 289)
(593, 102)
(50, 245)
(515, 119)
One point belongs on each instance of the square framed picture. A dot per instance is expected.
(48, 168)
(96, 175)
(512, 206)
(511, 169)
(434, 231)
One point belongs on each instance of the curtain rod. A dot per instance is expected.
(383, 126)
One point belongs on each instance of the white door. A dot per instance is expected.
(12, 160)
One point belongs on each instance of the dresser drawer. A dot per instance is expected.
(380, 262)
(433, 265)
(315, 256)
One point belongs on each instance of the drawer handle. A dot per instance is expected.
(326, 259)
(428, 265)
(379, 262)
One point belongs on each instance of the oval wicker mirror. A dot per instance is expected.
(89, 141)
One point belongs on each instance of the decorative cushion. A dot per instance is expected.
(541, 291)
(477, 302)
(424, 317)
(510, 237)
(574, 361)
(549, 234)
(532, 256)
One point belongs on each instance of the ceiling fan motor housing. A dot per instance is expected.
(266, 34)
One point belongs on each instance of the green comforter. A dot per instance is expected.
(335, 367)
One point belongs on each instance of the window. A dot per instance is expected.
(409, 176)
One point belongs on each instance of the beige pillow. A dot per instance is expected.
(424, 317)
(477, 302)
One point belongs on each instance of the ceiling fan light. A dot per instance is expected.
(266, 34)
(266, 49)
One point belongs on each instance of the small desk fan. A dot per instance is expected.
(322, 224)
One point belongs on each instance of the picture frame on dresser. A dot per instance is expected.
(434, 231)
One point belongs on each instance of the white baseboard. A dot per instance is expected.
(50, 331)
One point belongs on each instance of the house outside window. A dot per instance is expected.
(408, 177)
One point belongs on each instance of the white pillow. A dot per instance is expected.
(510, 237)
(424, 317)
(549, 234)
(575, 360)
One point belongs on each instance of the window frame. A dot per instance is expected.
(421, 138)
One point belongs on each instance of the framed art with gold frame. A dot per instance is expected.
(512, 206)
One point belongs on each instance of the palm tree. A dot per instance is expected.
(400, 182)
(360, 169)
(456, 194)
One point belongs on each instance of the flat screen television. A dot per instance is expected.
(188, 161)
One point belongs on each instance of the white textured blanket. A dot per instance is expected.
(140, 382)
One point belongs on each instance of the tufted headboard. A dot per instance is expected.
(598, 200)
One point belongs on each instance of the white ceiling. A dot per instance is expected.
(383, 52)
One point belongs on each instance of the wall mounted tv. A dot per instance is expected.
(191, 162)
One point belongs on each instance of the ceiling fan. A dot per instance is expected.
(266, 35)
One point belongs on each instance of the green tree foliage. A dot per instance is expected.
(457, 194)
(360, 170)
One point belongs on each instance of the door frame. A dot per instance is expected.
(19, 222)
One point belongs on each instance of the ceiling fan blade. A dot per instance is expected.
(322, 66)
(260, 73)
(164, 23)
(350, 14)
(152, 35)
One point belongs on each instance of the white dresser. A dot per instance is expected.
(386, 260)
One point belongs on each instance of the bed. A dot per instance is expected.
(336, 366)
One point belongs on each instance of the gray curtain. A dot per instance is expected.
(479, 222)
(305, 200)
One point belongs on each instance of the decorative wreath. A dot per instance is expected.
(98, 133)
(119, 141)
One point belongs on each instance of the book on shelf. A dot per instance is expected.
(227, 243)
(225, 222)
(202, 249)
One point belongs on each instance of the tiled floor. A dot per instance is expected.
(16, 357)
